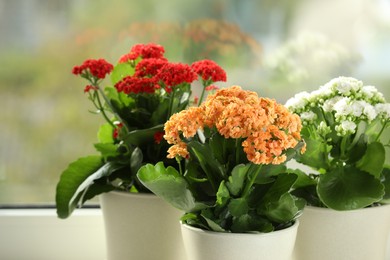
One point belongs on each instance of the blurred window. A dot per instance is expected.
(276, 48)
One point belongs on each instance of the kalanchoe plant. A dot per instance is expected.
(145, 90)
(234, 147)
(346, 129)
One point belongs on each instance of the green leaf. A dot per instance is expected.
(142, 136)
(387, 159)
(159, 116)
(111, 93)
(282, 210)
(136, 160)
(238, 207)
(213, 169)
(316, 154)
(168, 184)
(73, 182)
(218, 146)
(278, 204)
(107, 149)
(251, 223)
(358, 150)
(282, 185)
(349, 188)
(223, 195)
(237, 179)
(96, 189)
(214, 226)
(373, 159)
(120, 71)
(303, 179)
(105, 134)
(386, 183)
(267, 172)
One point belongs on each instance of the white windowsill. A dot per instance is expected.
(39, 234)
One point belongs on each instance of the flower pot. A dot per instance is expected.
(141, 226)
(326, 234)
(201, 244)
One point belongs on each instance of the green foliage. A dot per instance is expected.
(170, 185)
(341, 189)
(135, 107)
(347, 147)
(76, 180)
(120, 71)
(346, 184)
(224, 197)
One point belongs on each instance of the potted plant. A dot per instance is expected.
(232, 182)
(145, 90)
(347, 178)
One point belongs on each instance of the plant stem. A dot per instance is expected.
(179, 164)
(94, 83)
(205, 83)
(171, 104)
(381, 131)
(342, 145)
(101, 109)
(251, 179)
(201, 96)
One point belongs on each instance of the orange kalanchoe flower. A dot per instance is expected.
(267, 129)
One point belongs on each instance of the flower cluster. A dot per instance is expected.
(346, 128)
(347, 99)
(232, 152)
(143, 51)
(97, 68)
(267, 128)
(145, 90)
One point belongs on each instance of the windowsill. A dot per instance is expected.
(39, 234)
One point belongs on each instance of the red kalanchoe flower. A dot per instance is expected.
(158, 136)
(149, 67)
(128, 57)
(98, 68)
(136, 85)
(211, 87)
(173, 74)
(209, 70)
(89, 87)
(145, 51)
(115, 134)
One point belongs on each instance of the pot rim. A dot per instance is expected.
(131, 194)
(217, 234)
(352, 211)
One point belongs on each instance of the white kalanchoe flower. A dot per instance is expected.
(368, 92)
(298, 102)
(345, 99)
(370, 112)
(371, 95)
(342, 108)
(358, 107)
(308, 117)
(383, 110)
(323, 129)
(346, 127)
(346, 85)
(329, 103)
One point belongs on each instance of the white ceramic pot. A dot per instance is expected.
(326, 234)
(141, 226)
(208, 245)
